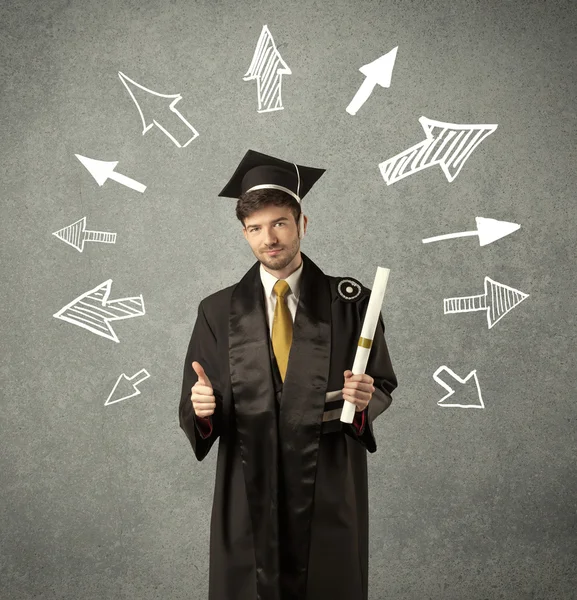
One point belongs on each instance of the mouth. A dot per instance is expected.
(273, 252)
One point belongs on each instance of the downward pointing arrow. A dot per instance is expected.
(127, 387)
(488, 230)
(462, 383)
(102, 170)
(377, 72)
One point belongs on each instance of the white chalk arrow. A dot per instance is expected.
(497, 301)
(378, 72)
(178, 126)
(464, 387)
(446, 144)
(126, 387)
(102, 170)
(76, 234)
(93, 311)
(267, 67)
(488, 230)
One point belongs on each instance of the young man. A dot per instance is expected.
(266, 370)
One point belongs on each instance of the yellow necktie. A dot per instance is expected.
(282, 327)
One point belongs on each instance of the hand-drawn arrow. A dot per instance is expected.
(488, 230)
(102, 170)
(377, 72)
(127, 387)
(497, 300)
(93, 311)
(267, 67)
(463, 383)
(76, 234)
(446, 144)
(184, 131)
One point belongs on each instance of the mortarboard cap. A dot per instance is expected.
(258, 171)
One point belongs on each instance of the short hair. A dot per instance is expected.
(250, 202)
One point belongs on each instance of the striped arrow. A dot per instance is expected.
(76, 234)
(497, 301)
(93, 311)
(267, 67)
(446, 144)
(488, 230)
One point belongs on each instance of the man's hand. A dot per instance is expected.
(358, 389)
(202, 398)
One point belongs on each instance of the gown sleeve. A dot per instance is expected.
(379, 367)
(201, 432)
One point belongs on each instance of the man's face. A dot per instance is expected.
(272, 228)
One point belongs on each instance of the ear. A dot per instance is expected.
(244, 232)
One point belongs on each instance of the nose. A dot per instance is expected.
(270, 237)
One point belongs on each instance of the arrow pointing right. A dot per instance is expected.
(446, 144)
(488, 230)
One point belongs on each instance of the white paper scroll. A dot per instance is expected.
(367, 334)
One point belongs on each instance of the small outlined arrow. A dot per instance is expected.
(446, 144)
(454, 378)
(267, 67)
(102, 170)
(488, 230)
(76, 234)
(377, 72)
(184, 132)
(126, 387)
(93, 311)
(497, 301)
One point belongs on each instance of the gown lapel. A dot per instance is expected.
(279, 443)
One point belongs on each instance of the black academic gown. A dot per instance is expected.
(290, 510)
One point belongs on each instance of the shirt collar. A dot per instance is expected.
(268, 281)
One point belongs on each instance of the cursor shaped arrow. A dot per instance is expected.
(462, 384)
(102, 170)
(179, 126)
(446, 144)
(267, 67)
(76, 234)
(488, 230)
(377, 72)
(93, 311)
(126, 387)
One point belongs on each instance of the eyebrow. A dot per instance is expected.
(275, 221)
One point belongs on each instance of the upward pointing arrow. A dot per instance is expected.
(102, 170)
(267, 67)
(446, 144)
(377, 72)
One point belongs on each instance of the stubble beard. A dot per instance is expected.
(277, 263)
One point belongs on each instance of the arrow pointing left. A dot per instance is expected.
(76, 234)
(102, 170)
(126, 387)
(93, 311)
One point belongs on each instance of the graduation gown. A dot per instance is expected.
(289, 518)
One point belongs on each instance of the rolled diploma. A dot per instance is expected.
(367, 334)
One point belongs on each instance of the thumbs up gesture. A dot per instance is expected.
(203, 400)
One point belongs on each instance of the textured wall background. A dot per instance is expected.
(108, 501)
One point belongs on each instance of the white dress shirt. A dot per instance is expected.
(292, 297)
